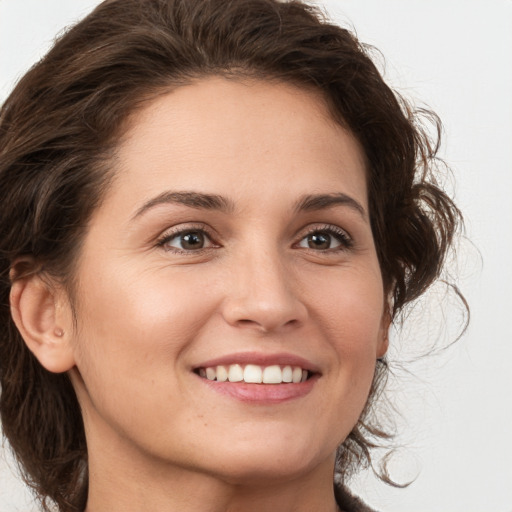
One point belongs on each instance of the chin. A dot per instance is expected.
(272, 462)
(266, 472)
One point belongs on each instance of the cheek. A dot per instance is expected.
(350, 314)
(351, 304)
(133, 323)
(133, 332)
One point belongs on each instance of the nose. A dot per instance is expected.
(263, 294)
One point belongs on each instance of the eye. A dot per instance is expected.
(186, 240)
(326, 239)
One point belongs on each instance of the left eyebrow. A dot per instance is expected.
(312, 202)
(190, 199)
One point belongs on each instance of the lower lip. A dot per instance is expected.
(262, 393)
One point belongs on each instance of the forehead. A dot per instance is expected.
(218, 133)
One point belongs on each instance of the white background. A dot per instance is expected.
(456, 57)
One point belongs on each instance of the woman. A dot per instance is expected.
(212, 213)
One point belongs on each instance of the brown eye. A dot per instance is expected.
(188, 240)
(326, 239)
(320, 241)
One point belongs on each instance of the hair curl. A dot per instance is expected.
(61, 123)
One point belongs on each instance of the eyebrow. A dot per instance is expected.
(191, 199)
(313, 202)
(310, 202)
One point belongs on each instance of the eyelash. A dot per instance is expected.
(346, 242)
(170, 235)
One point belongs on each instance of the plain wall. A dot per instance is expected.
(456, 57)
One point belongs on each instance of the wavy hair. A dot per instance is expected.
(61, 124)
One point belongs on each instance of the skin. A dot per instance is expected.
(150, 312)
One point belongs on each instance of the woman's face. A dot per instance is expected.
(234, 244)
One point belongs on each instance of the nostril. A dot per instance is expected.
(265, 325)
(263, 314)
(249, 323)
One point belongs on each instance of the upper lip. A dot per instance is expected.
(260, 359)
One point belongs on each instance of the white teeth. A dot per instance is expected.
(222, 374)
(297, 375)
(235, 373)
(255, 374)
(252, 373)
(287, 374)
(272, 375)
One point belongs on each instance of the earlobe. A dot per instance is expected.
(41, 314)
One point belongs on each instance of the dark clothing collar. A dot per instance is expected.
(347, 502)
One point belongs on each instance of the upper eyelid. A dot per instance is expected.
(323, 227)
(188, 226)
(176, 231)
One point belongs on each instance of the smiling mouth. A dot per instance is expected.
(255, 374)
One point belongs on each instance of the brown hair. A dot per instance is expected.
(60, 125)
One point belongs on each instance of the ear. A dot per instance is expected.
(42, 314)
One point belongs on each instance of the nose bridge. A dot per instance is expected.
(262, 291)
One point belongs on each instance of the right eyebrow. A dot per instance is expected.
(313, 202)
(192, 199)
